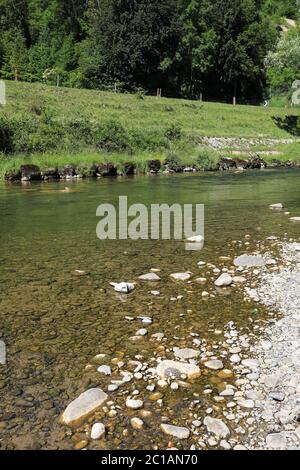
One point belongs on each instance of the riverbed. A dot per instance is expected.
(58, 310)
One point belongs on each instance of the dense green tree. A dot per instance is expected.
(244, 38)
(185, 47)
(197, 48)
(283, 64)
(132, 40)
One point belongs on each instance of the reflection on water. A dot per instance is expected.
(57, 309)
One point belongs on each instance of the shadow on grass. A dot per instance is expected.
(290, 124)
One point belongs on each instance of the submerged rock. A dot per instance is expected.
(214, 364)
(180, 276)
(98, 430)
(142, 332)
(30, 173)
(278, 206)
(134, 404)
(83, 406)
(224, 280)
(186, 353)
(106, 370)
(169, 368)
(249, 261)
(124, 287)
(152, 277)
(175, 431)
(137, 423)
(216, 427)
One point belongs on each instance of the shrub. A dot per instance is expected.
(207, 160)
(173, 132)
(6, 135)
(174, 162)
(112, 137)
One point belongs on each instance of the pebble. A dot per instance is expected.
(134, 404)
(80, 445)
(249, 261)
(180, 276)
(141, 332)
(225, 374)
(175, 431)
(186, 353)
(251, 363)
(224, 280)
(169, 368)
(225, 445)
(214, 364)
(228, 392)
(123, 287)
(235, 359)
(98, 430)
(277, 396)
(137, 423)
(216, 427)
(243, 403)
(196, 423)
(152, 277)
(106, 370)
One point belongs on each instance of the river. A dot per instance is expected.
(54, 321)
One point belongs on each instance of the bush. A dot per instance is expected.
(207, 160)
(6, 135)
(112, 137)
(173, 132)
(174, 163)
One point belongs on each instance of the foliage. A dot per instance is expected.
(184, 47)
(283, 64)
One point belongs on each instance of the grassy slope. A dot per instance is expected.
(148, 115)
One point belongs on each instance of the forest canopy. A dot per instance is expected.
(217, 48)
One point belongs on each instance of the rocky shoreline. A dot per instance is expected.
(253, 378)
(72, 172)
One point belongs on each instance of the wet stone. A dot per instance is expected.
(98, 431)
(214, 364)
(137, 423)
(186, 353)
(134, 404)
(224, 280)
(83, 406)
(175, 369)
(216, 427)
(106, 370)
(249, 261)
(151, 277)
(175, 431)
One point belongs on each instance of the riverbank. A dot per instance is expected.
(17, 170)
(53, 127)
(252, 375)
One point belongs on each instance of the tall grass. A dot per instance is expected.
(52, 126)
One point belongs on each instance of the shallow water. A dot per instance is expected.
(54, 321)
